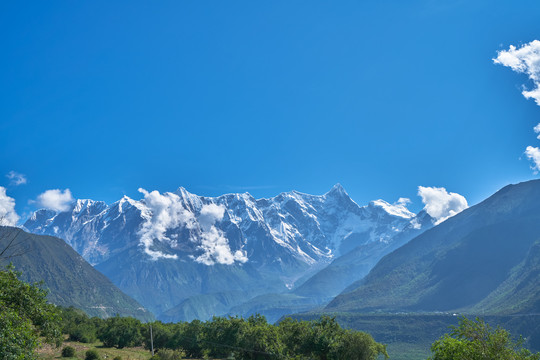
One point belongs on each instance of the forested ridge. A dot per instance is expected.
(27, 320)
(226, 337)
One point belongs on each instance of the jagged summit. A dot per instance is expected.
(337, 189)
(234, 237)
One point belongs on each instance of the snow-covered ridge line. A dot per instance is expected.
(227, 229)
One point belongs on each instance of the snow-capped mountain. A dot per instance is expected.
(257, 244)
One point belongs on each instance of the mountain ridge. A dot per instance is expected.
(460, 264)
(167, 236)
(70, 280)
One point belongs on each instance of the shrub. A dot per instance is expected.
(92, 355)
(85, 333)
(476, 340)
(120, 332)
(166, 354)
(68, 351)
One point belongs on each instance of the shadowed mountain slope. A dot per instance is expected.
(483, 259)
(70, 280)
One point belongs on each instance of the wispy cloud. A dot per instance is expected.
(164, 211)
(56, 199)
(16, 178)
(165, 215)
(526, 60)
(214, 244)
(441, 204)
(533, 154)
(8, 216)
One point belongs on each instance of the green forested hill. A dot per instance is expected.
(71, 281)
(483, 260)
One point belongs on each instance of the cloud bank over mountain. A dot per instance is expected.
(56, 199)
(8, 216)
(441, 204)
(166, 212)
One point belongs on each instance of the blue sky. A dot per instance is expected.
(231, 96)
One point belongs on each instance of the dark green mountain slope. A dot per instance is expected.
(71, 281)
(482, 256)
(520, 293)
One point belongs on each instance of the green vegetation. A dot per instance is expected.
(25, 317)
(476, 340)
(135, 353)
(68, 351)
(252, 338)
(120, 332)
(68, 278)
(410, 336)
(166, 354)
(92, 355)
(432, 272)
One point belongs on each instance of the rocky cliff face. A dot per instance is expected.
(168, 247)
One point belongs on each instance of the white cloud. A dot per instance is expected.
(533, 153)
(166, 212)
(525, 59)
(440, 204)
(214, 244)
(16, 178)
(209, 215)
(8, 216)
(56, 200)
(537, 130)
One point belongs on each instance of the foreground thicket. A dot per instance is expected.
(477, 340)
(225, 337)
(25, 317)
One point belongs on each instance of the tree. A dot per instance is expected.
(162, 335)
(259, 340)
(323, 335)
(222, 335)
(79, 326)
(189, 337)
(25, 316)
(324, 339)
(357, 345)
(476, 340)
(120, 332)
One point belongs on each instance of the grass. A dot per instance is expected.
(48, 352)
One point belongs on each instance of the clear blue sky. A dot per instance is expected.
(105, 97)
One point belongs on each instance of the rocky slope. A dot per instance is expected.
(166, 248)
(483, 260)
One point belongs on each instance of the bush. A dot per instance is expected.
(84, 333)
(120, 332)
(117, 358)
(25, 315)
(68, 351)
(476, 340)
(92, 355)
(166, 354)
